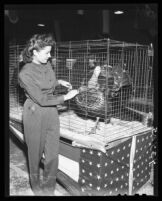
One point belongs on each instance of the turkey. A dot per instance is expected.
(106, 93)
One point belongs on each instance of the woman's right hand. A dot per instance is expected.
(71, 94)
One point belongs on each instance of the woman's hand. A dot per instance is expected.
(65, 84)
(71, 94)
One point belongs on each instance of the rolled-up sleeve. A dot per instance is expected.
(34, 91)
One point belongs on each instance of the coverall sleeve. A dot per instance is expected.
(34, 91)
(57, 83)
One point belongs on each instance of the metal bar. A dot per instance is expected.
(132, 154)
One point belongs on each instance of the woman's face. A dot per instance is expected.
(42, 56)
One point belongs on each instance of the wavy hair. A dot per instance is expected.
(36, 42)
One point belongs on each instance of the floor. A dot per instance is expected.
(19, 182)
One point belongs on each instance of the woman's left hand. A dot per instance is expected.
(65, 84)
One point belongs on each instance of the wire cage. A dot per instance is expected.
(122, 94)
(117, 103)
(16, 94)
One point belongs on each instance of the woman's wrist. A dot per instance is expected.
(59, 81)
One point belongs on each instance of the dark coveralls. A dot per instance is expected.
(41, 124)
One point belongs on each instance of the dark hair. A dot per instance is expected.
(36, 42)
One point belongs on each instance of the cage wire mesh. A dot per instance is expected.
(16, 94)
(116, 104)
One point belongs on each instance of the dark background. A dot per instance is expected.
(83, 22)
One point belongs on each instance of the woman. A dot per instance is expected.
(40, 116)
